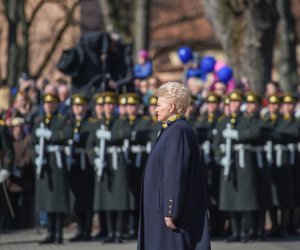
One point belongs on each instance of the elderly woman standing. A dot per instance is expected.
(173, 205)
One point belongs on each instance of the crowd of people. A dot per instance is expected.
(66, 154)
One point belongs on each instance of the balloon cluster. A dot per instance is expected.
(208, 64)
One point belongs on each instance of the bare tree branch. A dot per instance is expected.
(177, 21)
(69, 20)
(38, 7)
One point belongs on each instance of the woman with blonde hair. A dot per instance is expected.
(173, 205)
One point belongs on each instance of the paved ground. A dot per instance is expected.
(27, 239)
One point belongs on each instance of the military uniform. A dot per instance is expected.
(140, 147)
(284, 137)
(238, 182)
(155, 125)
(81, 172)
(52, 183)
(205, 128)
(262, 169)
(111, 179)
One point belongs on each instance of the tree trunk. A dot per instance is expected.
(13, 50)
(246, 31)
(288, 62)
(141, 36)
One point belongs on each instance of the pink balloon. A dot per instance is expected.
(219, 65)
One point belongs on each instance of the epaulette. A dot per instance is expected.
(60, 116)
(221, 117)
(200, 119)
(146, 118)
(92, 119)
(264, 117)
(39, 119)
(2, 122)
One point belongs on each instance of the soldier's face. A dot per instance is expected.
(252, 107)
(152, 110)
(109, 108)
(273, 108)
(131, 109)
(234, 107)
(287, 108)
(212, 107)
(79, 110)
(50, 107)
(99, 109)
(164, 109)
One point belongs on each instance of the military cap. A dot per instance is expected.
(50, 98)
(17, 121)
(252, 97)
(153, 100)
(110, 97)
(236, 95)
(122, 99)
(289, 98)
(133, 99)
(274, 99)
(98, 98)
(79, 99)
(213, 98)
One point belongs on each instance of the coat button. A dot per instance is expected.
(171, 200)
(169, 212)
(170, 206)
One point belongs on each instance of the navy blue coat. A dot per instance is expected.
(174, 185)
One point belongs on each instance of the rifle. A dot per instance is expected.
(40, 152)
(101, 164)
(226, 160)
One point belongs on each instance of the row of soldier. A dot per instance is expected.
(252, 164)
(99, 154)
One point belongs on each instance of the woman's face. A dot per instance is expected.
(163, 109)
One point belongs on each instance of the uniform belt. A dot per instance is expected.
(138, 150)
(114, 151)
(280, 148)
(82, 153)
(56, 149)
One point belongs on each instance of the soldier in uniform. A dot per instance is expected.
(6, 164)
(191, 112)
(257, 223)
(52, 184)
(205, 128)
(284, 137)
(140, 147)
(107, 153)
(155, 125)
(81, 172)
(98, 111)
(232, 144)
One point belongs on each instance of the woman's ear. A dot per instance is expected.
(172, 108)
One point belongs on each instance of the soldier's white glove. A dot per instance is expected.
(230, 134)
(102, 134)
(4, 174)
(46, 133)
(225, 162)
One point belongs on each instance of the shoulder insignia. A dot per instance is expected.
(221, 118)
(145, 117)
(2, 122)
(92, 119)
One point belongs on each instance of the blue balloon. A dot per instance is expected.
(225, 74)
(208, 64)
(185, 54)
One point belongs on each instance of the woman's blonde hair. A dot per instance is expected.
(179, 95)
